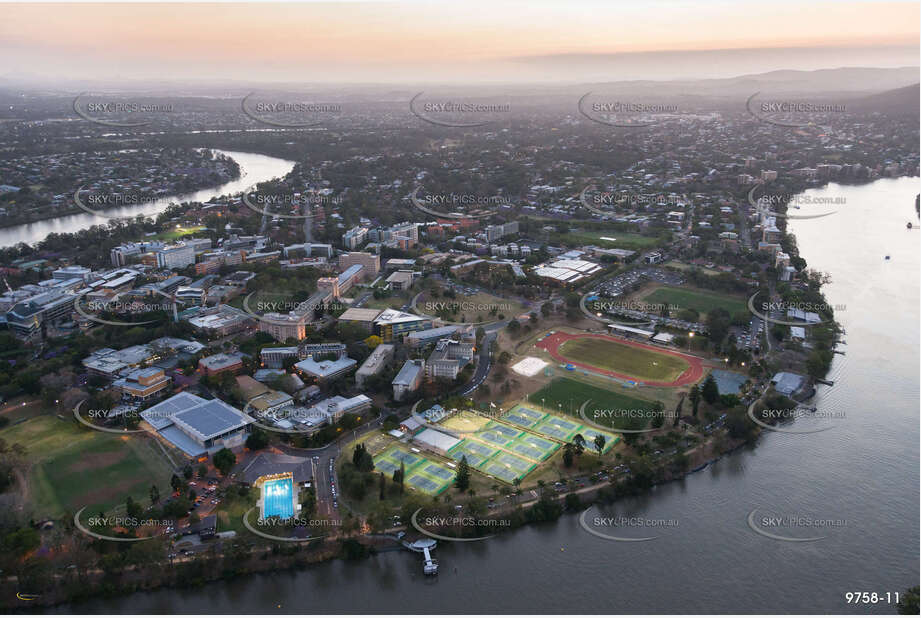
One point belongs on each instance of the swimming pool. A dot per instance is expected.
(277, 498)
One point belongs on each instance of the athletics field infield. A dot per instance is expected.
(626, 360)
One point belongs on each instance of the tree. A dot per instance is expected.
(133, 509)
(176, 483)
(383, 485)
(694, 396)
(362, 459)
(568, 450)
(202, 471)
(710, 391)
(718, 322)
(908, 604)
(154, 495)
(257, 440)
(398, 476)
(462, 480)
(224, 460)
(579, 442)
(599, 443)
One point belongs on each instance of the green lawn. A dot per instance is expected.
(624, 359)
(622, 240)
(700, 301)
(568, 395)
(74, 467)
(174, 233)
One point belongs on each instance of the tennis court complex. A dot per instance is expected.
(564, 429)
(422, 474)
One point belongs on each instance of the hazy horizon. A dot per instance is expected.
(472, 42)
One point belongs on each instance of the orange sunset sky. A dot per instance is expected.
(447, 41)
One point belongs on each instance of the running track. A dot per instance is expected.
(692, 374)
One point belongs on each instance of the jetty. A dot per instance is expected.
(424, 547)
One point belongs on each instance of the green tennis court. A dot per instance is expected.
(533, 447)
(523, 416)
(557, 427)
(423, 484)
(508, 467)
(475, 452)
(497, 433)
(421, 473)
(431, 478)
(589, 434)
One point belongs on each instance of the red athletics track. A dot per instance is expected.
(691, 375)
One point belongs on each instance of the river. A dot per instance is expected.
(254, 168)
(864, 471)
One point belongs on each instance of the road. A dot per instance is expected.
(323, 461)
(484, 363)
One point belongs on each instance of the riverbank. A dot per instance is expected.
(253, 169)
(230, 560)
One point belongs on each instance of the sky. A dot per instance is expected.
(454, 41)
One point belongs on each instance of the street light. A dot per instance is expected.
(690, 336)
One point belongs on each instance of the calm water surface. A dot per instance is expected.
(254, 168)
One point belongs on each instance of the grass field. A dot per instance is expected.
(622, 240)
(74, 467)
(624, 359)
(179, 232)
(568, 395)
(700, 301)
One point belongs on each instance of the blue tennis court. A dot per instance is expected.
(277, 498)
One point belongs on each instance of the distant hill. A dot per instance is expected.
(900, 101)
